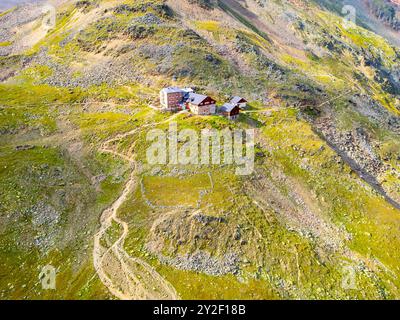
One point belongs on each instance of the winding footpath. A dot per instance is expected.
(126, 277)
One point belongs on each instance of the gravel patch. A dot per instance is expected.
(356, 145)
(45, 220)
(149, 19)
(202, 261)
(108, 72)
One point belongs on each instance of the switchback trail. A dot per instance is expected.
(126, 277)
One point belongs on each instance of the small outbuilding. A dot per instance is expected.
(200, 104)
(239, 101)
(230, 111)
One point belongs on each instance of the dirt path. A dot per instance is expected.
(126, 277)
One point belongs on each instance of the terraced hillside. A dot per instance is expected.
(78, 98)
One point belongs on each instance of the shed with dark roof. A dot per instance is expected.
(239, 101)
(230, 111)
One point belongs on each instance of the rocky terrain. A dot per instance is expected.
(77, 100)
